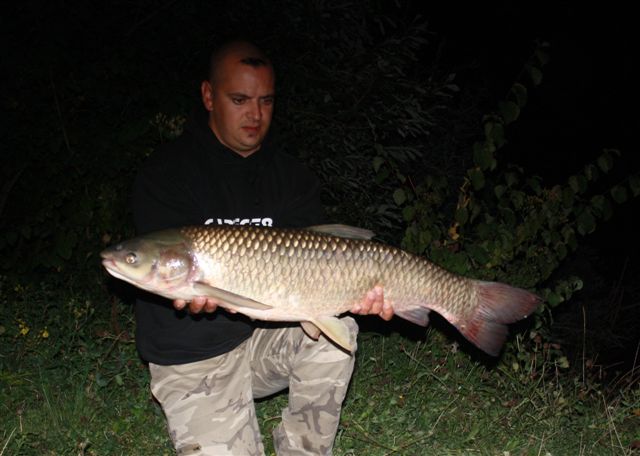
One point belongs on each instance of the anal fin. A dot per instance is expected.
(310, 329)
(417, 315)
(334, 329)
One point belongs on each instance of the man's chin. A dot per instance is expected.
(247, 149)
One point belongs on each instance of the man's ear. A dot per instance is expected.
(207, 95)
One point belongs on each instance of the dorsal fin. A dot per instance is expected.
(344, 231)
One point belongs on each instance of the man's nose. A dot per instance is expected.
(255, 110)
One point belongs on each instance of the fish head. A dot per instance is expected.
(160, 262)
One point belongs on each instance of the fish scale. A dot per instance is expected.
(312, 276)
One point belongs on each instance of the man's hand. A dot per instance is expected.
(373, 304)
(197, 305)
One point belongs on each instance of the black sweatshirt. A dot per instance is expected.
(196, 180)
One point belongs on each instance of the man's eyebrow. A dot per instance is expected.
(244, 95)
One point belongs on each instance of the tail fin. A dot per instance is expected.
(498, 305)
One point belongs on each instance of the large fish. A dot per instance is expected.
(311, 276)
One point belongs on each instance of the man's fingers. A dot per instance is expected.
(376, 297)
(372, 304)
(210, 305)
(387, 312)
(197, 304)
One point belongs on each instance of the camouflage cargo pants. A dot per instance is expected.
(209, 404)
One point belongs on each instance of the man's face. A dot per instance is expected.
(240, 104)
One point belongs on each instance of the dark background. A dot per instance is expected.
(587, 102)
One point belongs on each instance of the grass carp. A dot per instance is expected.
(311, 276)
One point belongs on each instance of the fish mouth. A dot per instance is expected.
(112, 268)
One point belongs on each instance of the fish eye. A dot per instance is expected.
(131, 258)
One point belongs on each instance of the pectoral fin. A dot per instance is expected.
(203, 289)
(334, 329)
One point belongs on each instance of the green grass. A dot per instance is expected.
(73, 385)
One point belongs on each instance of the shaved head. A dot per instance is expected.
(240, 51)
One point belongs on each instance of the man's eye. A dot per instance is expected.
(237, 100)
(267, 101)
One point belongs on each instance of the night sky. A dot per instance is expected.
(587, 102)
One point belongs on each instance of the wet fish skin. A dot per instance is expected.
(311, 276)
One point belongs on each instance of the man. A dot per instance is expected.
(206, 368)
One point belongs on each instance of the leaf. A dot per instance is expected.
(534, 183)
(508, 216)
(377, 163)
(408, 213)
(563, 362)
(602, 206)
(425, 239)
(476, 209)
(577, 284)
(578, 184)
(517, 198)
(554, 299)
(561, 251)
(478, 254)
(519, 93)
(482, 155)
(542, 56)
(598, 202)
(399, 196)
(569, 237)
(619, 194)
(591, 172)
(476, 176)
(536, 75)
(509, 111)
(605, 162)
(568, 196)
(462, 215)
(382, 175)
(586, 222)
(497, 134)
(511, 178)
(100, 380)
